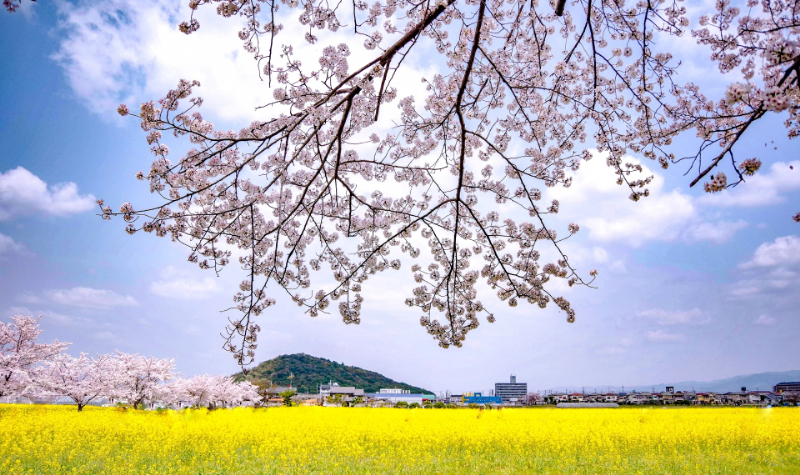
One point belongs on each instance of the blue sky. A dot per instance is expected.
(691, 286)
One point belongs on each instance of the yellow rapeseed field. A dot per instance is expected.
(58, 439)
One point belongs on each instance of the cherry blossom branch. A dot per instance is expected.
(521, 100)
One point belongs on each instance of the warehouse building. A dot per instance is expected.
(478, 398)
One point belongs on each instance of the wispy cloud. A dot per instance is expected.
(770, 271)
(103, 336)
(10, 246)
(661, 335)
(177, 285)
(675, 317)
(50, 317)
(85, 297)
(716, 232)
(611, 350)
(764, 320)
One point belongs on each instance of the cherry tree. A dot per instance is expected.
(224, 391)
(196, 390)
(533, 399)
(212, 391)
(82, 379)
(21, 354)
(232, 393)
(528, 90)
(139, 379)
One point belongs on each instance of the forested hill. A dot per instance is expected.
(309, 372)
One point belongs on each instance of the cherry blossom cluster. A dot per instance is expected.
(12, 5)
(526, 92)
(750, 166)
(758, 40)
(717, 183)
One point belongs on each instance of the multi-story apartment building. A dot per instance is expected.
(511, 392)
(786, 388)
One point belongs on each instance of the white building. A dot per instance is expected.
(394, 391)
(395, 395)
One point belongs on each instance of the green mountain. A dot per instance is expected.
(309, 372)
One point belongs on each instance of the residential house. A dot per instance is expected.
(708, 399)
(761, 398)
(734, 398)
(637, 398)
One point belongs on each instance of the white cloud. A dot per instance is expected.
(675, 317)
(717, 233)
(764, 320)
(783, 251)
(772, 282)
(28, 10)
(28, 298)
(611, 350)
(605, 209)
(771, 270)
(85, 297)
(618, 267)
(764, 188)
(103, 336)
(583, 255)
(178, 286)
(48, 317)
(661, 335)
(600, 255)
(744, 289)
(117, 51)
(10, 246)
(22, 193)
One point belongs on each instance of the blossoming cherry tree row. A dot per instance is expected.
(33, 369)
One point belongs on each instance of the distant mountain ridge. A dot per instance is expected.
(760, 381)
(309, 372)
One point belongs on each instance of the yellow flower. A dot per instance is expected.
(58, 439)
